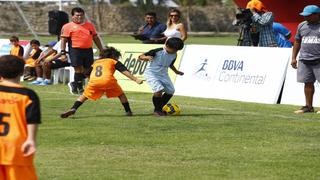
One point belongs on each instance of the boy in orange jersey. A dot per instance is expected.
(30, 71)
(17, 49)
(102, 81)
(19, 119)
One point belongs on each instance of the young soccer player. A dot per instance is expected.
(156, 73)
(102, 81)
(17, 49)
(30, 71)
(19, 119)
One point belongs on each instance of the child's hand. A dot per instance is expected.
(28, 148)
(180, 73)
(139, 81)
(149, 58)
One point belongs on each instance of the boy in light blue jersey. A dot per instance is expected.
(156, 73)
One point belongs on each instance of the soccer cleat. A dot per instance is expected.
(73, 88)
(129, 113)
(158, 113)
(45, 83)
(68, 113)
(304, 109)
(36, 82)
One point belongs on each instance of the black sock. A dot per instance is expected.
(165, 98)
(76, 105)
(78, 78)
(126, 107)
(157, 102)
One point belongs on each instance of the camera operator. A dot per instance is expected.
(262, 21)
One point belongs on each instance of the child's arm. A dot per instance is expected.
(133, 78)
(174, 69)
(29, 146)
(145, 58)
(121, 68)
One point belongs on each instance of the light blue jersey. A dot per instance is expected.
(156, 73)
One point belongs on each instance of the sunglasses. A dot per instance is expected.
(174, 15)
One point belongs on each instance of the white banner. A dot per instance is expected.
(293, 92)
(5, 47)
(250, 74)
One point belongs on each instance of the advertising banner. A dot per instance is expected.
(249, 74)
(5, 47)
(130, 53)
(293, 92)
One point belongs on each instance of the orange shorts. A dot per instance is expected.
(92, 92)
(14, 172)
(30, 62)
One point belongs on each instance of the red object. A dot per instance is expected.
(285, 12)
(24, 42)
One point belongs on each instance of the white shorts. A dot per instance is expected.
(158, 84)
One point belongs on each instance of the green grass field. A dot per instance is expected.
(211, 139)
(217, 40)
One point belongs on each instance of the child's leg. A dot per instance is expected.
(157, 101)
(75, 106)
(123, 99)
(165, 98)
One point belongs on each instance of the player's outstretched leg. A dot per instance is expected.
(74, 108)
(157, 102)
(123, 99)
(165, 98)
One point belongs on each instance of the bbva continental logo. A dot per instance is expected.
(202, 72)
(134, 65)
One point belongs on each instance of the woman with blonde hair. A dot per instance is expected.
(174, 26)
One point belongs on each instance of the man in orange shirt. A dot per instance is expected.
(79, 34)
(17, 49)
(102, 81)
(19, 119)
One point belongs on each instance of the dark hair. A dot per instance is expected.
(175, 43)
(110, 52)
(14, 38)
(34, 41)
(150, 13)
(11, 66)
(77, 9)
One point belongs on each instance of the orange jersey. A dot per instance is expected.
(102, 73)
(17, 51)
(80, 35)
(33, 56)
(102, 79)
(19, 106)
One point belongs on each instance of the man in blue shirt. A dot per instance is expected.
(151, 31)
(282, 35)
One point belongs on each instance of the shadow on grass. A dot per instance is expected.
(150, 115)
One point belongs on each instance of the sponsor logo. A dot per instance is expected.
(134, 65)
(233, 72)
(201, 71)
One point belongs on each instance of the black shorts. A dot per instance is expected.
(81, 57)
(56, 64)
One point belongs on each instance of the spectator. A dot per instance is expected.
(308, 44)
(262, 22)
(79, 34)
(29, 73)
(282, 35)
(174, 27)
(152, 31)
(17, 49)
(49, 60)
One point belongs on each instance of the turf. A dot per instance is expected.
(211, 139)
(216, 40)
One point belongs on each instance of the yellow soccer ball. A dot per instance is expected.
(171, 109)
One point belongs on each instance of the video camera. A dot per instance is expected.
(243, 17)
